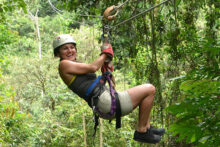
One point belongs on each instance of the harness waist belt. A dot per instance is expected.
(92, 86)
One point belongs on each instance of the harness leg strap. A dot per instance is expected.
(96, 120)
(118, 112)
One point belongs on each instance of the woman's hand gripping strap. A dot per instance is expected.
(106, 48)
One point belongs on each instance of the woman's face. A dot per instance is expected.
(68, 52)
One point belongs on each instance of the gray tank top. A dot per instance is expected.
(81, 84)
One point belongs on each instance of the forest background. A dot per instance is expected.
(175, 47)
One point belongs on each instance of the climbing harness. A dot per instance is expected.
(115, 103)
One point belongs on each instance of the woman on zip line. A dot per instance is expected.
(82, 80)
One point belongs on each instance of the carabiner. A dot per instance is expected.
(106, 38)
(108, 12)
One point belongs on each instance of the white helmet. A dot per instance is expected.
(62, 39)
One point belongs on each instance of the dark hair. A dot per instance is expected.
(56, 50)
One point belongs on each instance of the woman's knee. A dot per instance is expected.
(138, 93)
(150, 89)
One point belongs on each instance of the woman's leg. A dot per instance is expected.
(143, 96)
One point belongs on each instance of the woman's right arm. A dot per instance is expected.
(69, 67)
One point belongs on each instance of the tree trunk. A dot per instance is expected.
(38, 34)
(35, 20)
(101, 130)
(84, 130)
(155, 73)
(212, 33)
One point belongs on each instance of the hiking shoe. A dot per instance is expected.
(157, 131)
(146, 137)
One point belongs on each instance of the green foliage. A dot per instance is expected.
(13, 122)
(176, 47)
(7, 6)
(4, 64)
(6, 37)
(198, 114)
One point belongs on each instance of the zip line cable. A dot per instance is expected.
(133, 17)
(58, 11)
(120, 6)
(54, 8)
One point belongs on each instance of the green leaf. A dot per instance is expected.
(186, 85)
(193, 138)
(204, 139)
(178, 2)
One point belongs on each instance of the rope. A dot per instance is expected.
(133, 17)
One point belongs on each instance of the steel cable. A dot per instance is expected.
(135, 16)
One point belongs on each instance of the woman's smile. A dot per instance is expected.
(68, 51)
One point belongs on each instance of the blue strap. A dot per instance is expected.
(92, 86)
